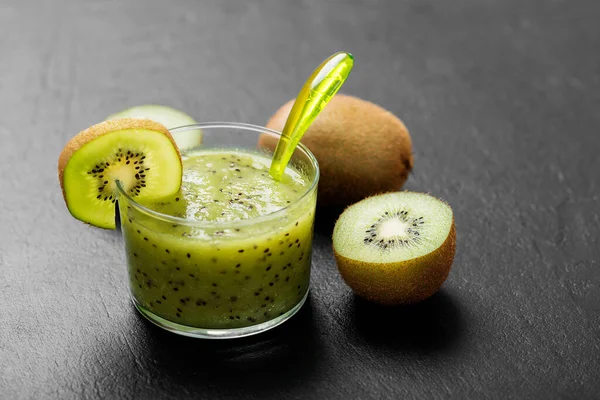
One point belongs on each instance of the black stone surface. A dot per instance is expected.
(502, 99)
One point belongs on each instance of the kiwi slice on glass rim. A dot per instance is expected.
(395, 248)
(170, 118)
(141, 154)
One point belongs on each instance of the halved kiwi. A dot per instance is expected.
(167, 116)
(395, 248)
(141, 154)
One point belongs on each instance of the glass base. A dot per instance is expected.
(230, 333)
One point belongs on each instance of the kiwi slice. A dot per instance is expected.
(141, 154)
(169, 117)
(395, 248)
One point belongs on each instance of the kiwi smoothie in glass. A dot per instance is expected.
(230, 254)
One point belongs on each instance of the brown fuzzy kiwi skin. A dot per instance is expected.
(103, 128)
(404, 282)
(362, 149)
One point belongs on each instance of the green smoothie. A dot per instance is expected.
(241, 256)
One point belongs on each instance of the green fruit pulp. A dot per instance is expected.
(233, 272)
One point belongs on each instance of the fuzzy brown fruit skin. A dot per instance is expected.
(403, 282)
(362, 149)
(100, 129)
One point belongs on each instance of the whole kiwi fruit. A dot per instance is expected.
(362, 149)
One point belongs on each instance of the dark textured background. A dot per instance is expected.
(502, 98)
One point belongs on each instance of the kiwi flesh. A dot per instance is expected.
(395, 248)
(141, 154)
(170, 118)
(362, 149)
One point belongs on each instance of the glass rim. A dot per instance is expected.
(229, 224)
